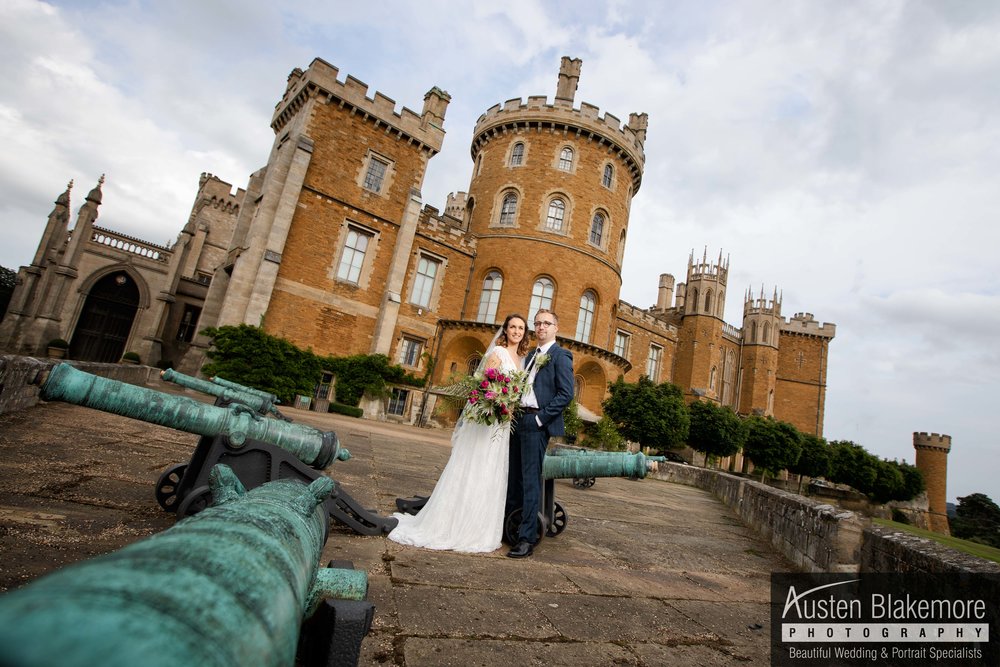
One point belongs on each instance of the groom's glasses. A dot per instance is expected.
(543, 324)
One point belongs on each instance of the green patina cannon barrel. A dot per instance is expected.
(260, 403)
(228, 587)
(568, 465)
(223, 382)
(237, 422)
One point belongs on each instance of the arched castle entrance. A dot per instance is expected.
(106, 320)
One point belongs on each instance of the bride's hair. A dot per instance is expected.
(522, 347)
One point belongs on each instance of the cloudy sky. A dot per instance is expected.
(845, 153)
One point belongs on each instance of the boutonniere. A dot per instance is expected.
(541, 360)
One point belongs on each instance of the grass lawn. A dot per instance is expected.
(981, 550)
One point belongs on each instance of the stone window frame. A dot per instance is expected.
(512, 154)
(397, 402)
(654, 362)
(605, 229)
(533, 305)
(585, 318)
(498, 202)
(626, 343)
(435, 293)
(367, 264)
(561, 163)
(608, 175)
(621, 247)
(490, 316)
(387, 178)
(547, 201)
(407, 345)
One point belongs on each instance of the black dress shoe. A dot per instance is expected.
(522, 550)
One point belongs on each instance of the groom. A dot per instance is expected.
(548, 392)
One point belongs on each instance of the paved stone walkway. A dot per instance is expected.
(646, 573)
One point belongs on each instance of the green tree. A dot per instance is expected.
(978, 519)
(362, 374)
(8, 280)
(249, 356)
(889, 483)
(604, 435)
(571, 421)
(814, 461)
(851, 464)
(772, 445)
(715, 430)
(913, 481)
(652, 415)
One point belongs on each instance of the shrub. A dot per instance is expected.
(349, 410)
(132, 356)
(59, 343)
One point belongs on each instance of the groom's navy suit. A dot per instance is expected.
(553, 387)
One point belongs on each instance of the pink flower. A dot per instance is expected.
(484, 384)
(503, 410)
(473, 398)
(491, 373)
(504, 390)
(516, 389)
(490, 395)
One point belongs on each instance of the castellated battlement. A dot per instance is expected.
(434, 226)
(320, 80)
(219, 194)
(538, 113)
(806, 324)
(645, 317)
(931, 441)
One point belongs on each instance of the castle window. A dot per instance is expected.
(554, 218)
(566, 159)
(693, 303)
(410, 351)
(508, 210)
(753, 332)
(375, 175)
(472, 363)
(353, 257)
(490, 297)
(423, 282)
(766, 338)
(711, 379)
(622, 341)
(621, 247)
(585, 320)
(609, 175)
(653, 363)
(597, 230)
(397, 402)
(517, 155)
(189, 323)
(479, 164)
(708, 301)
(541, 297)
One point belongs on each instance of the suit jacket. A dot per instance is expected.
(553, 388)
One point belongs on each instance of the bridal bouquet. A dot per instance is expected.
(491, 396)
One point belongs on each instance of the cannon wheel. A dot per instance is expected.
(194, 502)
(583, 482)
(513, 522)
(166, 486)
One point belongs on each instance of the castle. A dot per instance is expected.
(331, 247)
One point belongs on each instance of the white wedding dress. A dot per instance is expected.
(465, 510)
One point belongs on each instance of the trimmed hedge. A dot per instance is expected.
(349, 410)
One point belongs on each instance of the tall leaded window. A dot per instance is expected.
(490, 297)
(353, 257)
(585, 320)
(517, 155)
(653, 362)
(622, 341)
(423, 282)
(397, 401)
(597, 229)
(566, 159)
(766, 339)
(410, 351)
(541, 297)
(609, 175)
(555, 216)
(508, 210)
(375, 175)
(708, 301)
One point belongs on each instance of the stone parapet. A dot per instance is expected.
(886, 550)
(629, 312)
(816, 537)
(321, 80)
(18, 376)
(922, 440)
(806, 324)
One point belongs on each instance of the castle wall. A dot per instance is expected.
(800, 388)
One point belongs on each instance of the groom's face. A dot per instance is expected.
(545, 328)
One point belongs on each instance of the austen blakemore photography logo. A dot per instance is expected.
(891, 619)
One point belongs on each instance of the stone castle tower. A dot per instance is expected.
(701, 310)
(932, 460)
(761, 326)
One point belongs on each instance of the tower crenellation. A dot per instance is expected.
(805, 324)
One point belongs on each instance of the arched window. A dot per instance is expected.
(517, 155)
(720, 302)
(566, 159)
(490, 297)
(753, 332)
(541, 297)
(472, 364)
(556, 214)
(508, 210)
(479, 164)
(621, 247)
(711, 379)
(609, 175)
(708, 301)
(693, 302)
(597, 229)
(585, 320)
(767, 333)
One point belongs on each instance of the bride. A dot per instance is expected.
(465, 511)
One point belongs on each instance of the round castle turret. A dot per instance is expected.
(932, 460)
(549, 202)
